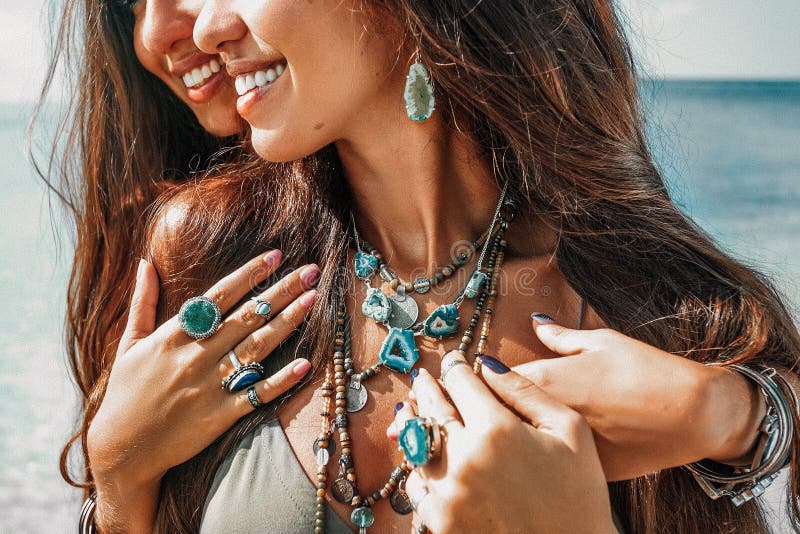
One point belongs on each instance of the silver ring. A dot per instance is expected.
(234, 360)
(252, 397)
(450, 365)
(416, 502)
(263, 308)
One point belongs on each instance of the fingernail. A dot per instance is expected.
(398, 407)
(307, 299)
(542, 318)
(309, 275)
(273, 257)
(495, 365)
(413, 376)
(301, 368)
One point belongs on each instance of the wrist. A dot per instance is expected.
(123, 506)
(737, 410)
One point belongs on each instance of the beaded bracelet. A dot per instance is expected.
(772, 451)
(86, 522)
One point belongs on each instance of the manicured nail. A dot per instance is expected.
(398, 407)
(542, 318)
(309, 275)
(495, 365)
(273, 257)
(307, 299)
(413, 376)
(301, 368)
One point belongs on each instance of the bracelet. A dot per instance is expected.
(772, 450)
(86, 522)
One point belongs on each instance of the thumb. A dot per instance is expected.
(560, 339)
(142, 313)
(526, 398)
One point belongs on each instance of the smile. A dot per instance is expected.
(200, 75)
(248, 81)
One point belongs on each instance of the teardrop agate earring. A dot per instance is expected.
(418, 94)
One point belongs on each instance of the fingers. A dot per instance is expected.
(431, 401)
(424, 501)
(403, 412)
(560, 339)
(530, 401)
(270, 388)
(142, 312)
(232, 288)
(244, 320)
(263, 341)
(473, 400)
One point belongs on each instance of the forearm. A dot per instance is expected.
(124, 509)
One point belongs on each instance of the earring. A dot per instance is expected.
(418, 93)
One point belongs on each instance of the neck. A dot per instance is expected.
(418, 188)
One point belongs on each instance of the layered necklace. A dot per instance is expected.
(343, 390)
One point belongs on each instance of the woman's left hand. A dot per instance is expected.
(533, 469)
(649, 409)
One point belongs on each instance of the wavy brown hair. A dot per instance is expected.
(121, 139)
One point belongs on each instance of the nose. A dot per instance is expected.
(167, 22)
(216, 25)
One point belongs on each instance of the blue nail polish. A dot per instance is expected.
(542, 318)
(398, 407)
(414, 374)
(494, 364)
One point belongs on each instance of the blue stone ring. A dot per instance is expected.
(263, 308)
(420, 440)
(199, 317)
(243, 376)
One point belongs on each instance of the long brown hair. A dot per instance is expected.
(121, 139)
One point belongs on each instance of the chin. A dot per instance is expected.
(272, 146)
(222, 126)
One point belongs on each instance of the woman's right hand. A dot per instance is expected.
(164, 404)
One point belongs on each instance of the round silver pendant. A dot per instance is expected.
(401, 502)
(404, 312)
(342, 490)
(331, 447)
(357, 396)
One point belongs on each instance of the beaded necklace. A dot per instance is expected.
(343, 388)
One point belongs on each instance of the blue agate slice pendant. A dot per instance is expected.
(443, 322)
(376, 305)
(399, 352)
(366, 264)
(418, 93)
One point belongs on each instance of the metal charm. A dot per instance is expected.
(404, 312)
(422, 285)
(357, 396)
(331, 447)
(343, 490)
(401, 502)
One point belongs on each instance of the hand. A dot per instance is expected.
(649, 409)
(164, 404)
(533, 469)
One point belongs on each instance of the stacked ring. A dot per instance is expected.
(199, 317)
(263, 308)
(242, 375)
(252, 398)
(420, 440)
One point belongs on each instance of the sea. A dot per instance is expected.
(730, 151)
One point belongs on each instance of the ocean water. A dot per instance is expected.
(730, 151)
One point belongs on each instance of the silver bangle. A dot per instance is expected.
(86, 522)
(772, 450)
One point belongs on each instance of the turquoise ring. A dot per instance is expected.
(263, 308)
(199, 317)
(420, 440)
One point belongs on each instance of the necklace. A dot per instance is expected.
(342, 389)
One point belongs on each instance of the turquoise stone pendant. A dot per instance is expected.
(376, 305)
(414, 440)
(475, 284)
(442, 322)
(418, 94)
(366, 264)
(399, 352)
(362, 517)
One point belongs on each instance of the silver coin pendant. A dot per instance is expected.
(404, 312)
(357, 396)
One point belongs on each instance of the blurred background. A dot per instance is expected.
(721, 84)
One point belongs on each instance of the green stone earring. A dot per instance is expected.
(418, 94)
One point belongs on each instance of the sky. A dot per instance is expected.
(674, 38)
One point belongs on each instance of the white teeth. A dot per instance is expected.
(200, 74)
(259, 78)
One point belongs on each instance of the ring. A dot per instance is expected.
(263, 308)
(416, 502)
(450, 365)
(420, 440)
(242, 375)
(252, 397)
(199, 317)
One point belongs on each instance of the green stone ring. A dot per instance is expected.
(199, 317)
